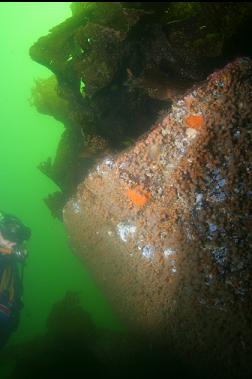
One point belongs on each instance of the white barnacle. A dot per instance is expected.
(217, 194)
(237, 133)
(199, 200)
(212, 227)
(100, 170)
(123, 165)
(191, 133)
(125, 230)
(148, 251)
(169, 252)
(76, 206)
(109, 163)
(221, 183)
(218, 197)
(181, 144)
(220, 255)
(173, 266)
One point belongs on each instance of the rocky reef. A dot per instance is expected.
(154, 167)
(117, 68)
(166, 228)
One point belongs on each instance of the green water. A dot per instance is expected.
(28, 138)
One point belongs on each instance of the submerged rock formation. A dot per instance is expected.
(165, 226)
(118, 66)
(164, 222)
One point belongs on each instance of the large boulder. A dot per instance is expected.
(165, 225)
(118, 66)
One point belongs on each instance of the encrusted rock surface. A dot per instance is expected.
(165, 226)
(117, 66)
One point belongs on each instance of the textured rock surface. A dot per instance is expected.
(117, 66)
(165, 226)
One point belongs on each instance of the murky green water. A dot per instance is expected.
(28, 138)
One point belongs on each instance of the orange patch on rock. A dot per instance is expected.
(195, 121)
(138, 196)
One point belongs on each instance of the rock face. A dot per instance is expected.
(165, 225)
(118, 66)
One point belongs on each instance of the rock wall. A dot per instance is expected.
(165, 226)
(163, 219)
(117, 68)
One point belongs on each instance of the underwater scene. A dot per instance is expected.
(125, 212)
